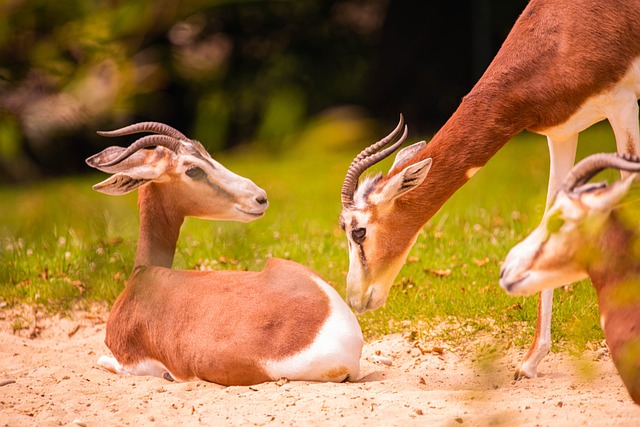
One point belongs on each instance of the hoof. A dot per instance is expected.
(521, 373)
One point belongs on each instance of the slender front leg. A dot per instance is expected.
(624, 121)
(562, 154)
(541, 340)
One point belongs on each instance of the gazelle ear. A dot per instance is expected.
(138, 158)
(142, 167)
(606, 198)
(406, 153)
(405, 181)
(119, 184)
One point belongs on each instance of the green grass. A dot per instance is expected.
(64, 245)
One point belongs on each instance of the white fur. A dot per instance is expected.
(472, 171)
(146, 367)
(615, 104)
(338, 345)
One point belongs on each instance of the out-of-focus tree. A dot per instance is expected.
(222, 71)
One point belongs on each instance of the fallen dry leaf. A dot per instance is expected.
(481, 262)
(439, 273)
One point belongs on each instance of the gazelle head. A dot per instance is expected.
(559, 250)
(193, 183)
(376, 252)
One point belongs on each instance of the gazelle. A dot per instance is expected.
(565, 65)
(228, 327)
(585, 233)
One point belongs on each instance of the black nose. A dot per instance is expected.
(261, 200)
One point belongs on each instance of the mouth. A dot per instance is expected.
(366, 305)
(255, 214)
(510, 288)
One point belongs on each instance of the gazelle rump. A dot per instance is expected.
(585, 232)
(565, 65)
(228, 327)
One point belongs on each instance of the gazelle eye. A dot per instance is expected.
(194, 172)
(358, 234)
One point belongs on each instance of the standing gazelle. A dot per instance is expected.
(228, 327)
(586, 233)
(565, 65)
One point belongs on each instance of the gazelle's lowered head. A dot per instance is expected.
(565, 244)
(376, 252)
(177, 178)
(587, 232)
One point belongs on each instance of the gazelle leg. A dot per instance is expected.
(624, 121)
(562, 154)
(146, 367)
(110, 364)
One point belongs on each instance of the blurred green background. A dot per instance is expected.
(228, 72)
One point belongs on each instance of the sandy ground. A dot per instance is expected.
(58, 383)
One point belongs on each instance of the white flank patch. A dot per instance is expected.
(336, 350)
(604, 105)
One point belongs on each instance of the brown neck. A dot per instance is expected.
(473, 135)
(159, 228)
(550, 63)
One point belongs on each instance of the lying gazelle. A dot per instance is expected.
(565, 65)
(228, 327)
(585, 233)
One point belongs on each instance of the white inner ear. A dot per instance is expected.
(607, 198)
(129, 180)
(407, 153)
(119, 184)
(410, 178)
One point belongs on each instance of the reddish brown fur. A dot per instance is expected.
(224, 322)
(558, 54)
(615, 273)
(159, 227)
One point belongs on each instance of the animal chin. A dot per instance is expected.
(369, 302)
(513, 287)
(251, 214)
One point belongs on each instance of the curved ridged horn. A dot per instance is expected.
(146, 141)
(592, 165)
(153, 127)
(367, 158)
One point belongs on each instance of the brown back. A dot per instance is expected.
(217, 325)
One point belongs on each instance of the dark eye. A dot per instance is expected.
(358, 234)
(194, 172)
